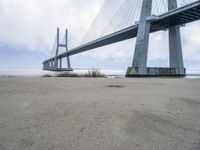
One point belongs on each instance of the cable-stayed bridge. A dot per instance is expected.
(137, 18)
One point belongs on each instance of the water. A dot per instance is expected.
(5, 72)
(23, 72)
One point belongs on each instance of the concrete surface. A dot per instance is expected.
(99, 114)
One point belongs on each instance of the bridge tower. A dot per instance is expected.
(55, 64)
(141, 48)
(175, 47)
(139, 66)
(57, 49)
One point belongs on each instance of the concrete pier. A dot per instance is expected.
(57, 49)
(66, 44)
(60, 62)
(175, 48)
(139, 66)
(141, 48)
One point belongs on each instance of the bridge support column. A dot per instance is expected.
(44, 66)
(60, 63)
(175, 48)
(48, 65)
(139, 66)
(66, 44)
(57, 48)
(52, 64)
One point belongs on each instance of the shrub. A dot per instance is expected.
(94, 73)
(66, 74)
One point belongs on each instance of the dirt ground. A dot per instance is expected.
(99, 114)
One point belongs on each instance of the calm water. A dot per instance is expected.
(40, 72)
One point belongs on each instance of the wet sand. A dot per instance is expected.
(99, 114)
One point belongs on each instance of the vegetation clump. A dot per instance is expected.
(94, 73)
(67, 74)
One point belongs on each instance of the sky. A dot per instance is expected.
(28, 29)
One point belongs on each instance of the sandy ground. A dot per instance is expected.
(99, 114)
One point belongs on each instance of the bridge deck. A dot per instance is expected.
(180, 16)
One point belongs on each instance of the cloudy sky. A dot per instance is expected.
(28, 28)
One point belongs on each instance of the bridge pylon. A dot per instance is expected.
(139, 66)
(175, 47)
(55, 64)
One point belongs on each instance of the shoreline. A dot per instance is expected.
(39, 72)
